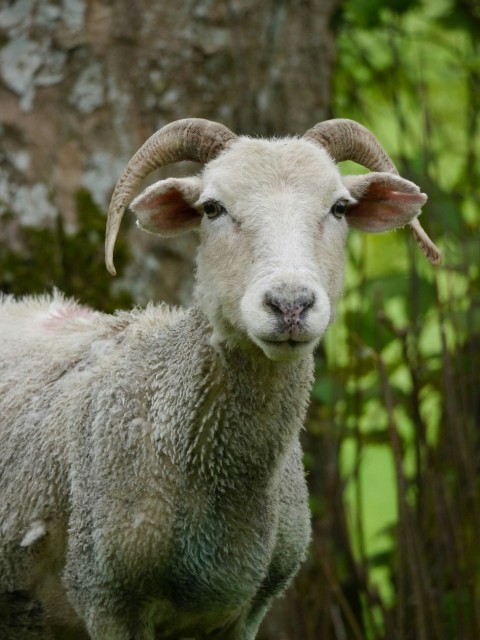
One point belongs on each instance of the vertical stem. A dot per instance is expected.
(336, 589)
(413, 556)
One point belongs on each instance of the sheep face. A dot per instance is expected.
(270, 261)
(270, 264)
(271, 215)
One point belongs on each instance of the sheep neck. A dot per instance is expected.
(243, 415)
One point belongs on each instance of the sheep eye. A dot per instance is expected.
(212, 209)
(339, 209)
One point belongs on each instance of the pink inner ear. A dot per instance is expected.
(169, 212)
(380, 209)
(378, 191)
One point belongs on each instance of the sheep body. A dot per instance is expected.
(151, 478)
(188, 505)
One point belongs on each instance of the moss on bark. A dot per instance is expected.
(44, 258)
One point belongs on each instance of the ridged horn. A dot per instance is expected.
(192, 139)
(349, 140)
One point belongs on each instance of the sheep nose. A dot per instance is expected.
(290, 309)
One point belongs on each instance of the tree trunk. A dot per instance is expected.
(84, 82)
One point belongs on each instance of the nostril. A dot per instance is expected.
(306, 301)
(274, 303)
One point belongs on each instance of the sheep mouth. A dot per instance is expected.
(289, 342)
(286, 349)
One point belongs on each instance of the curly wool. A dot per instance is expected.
(137, 458)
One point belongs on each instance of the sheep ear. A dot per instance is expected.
(384, 201)
(166, 207)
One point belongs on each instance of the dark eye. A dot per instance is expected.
(339, 209)
(212, 209)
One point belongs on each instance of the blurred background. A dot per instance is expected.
(392, 445)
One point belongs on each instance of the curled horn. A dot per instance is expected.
(349, 140)
(189, 139)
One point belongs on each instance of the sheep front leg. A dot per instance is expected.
(104, 626)
(106, 617)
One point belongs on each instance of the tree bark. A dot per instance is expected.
(84, 82)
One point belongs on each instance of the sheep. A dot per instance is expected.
(151, 476)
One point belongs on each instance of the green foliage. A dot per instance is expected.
(393, 443)
(370, 13)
